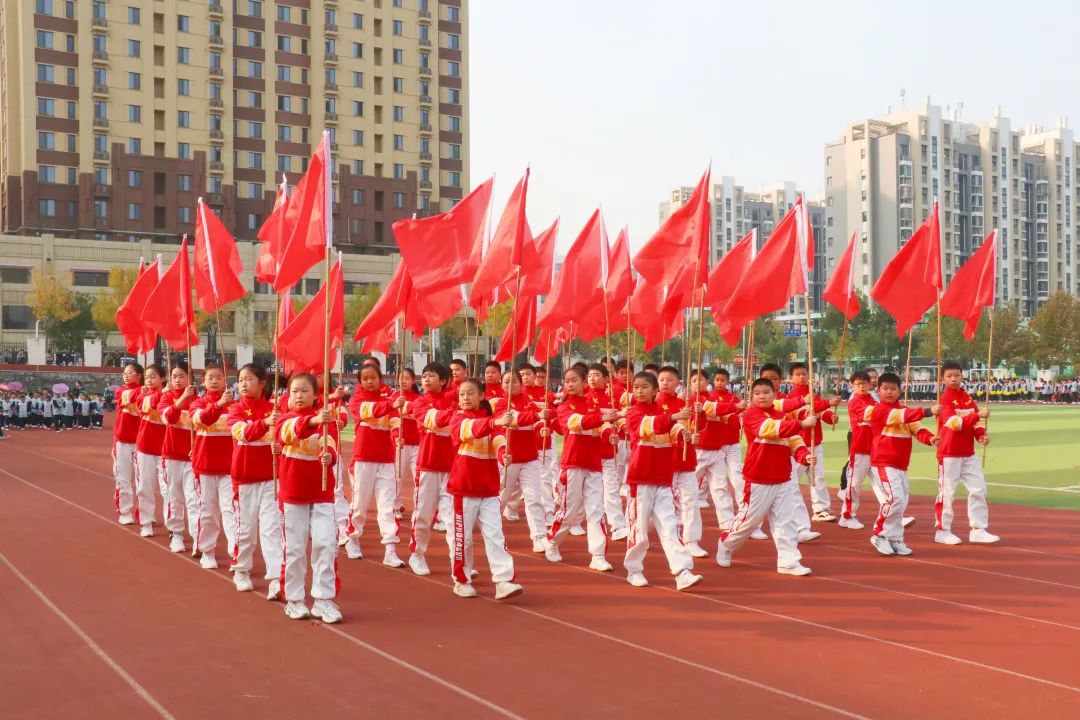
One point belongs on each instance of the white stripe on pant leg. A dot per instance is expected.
(323, 552)
(753, 512)
(884, 492)
(446, 504)
(490, 519)
(663, 516)
(593, 508)
(637, 543)
(785, 533)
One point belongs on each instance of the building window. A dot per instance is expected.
(284, 133)
(357, 108)
(90, 278)
(454, 179)
(134, 81)
(453, 123)
(399, 171)
(358, 138)
(453, 69)
(254, 8)
(453, 14)
(134, 146)
(357, 21)
(134, 15)
(255, 161)
(255, 191)
(284, 163)
(254, 69)
(72, 143)
(134, 48)
(253, 223)
(183, 23)
(43, 7)
(399, 28)
(358, 167)
(45, 73)
(453, 151)
(399, 113)
(183, 55)
(399, 200)
(183, 118)
(183, 87)
(183, 151)
(46, 174)
(453, 41)
(46, 107)
(47, 208)
(399, 85)
(399, 142)
(284, 43)
(183, 183)
(17, 317)
(46, 140)
(357, 196)
(399, 56)
(44, 40)
(284, 73)
(71, 79)
(358, 50)
(98, 43)
(134, 113)
(134, 178)
(134, 211)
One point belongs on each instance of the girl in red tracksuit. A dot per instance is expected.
(306, 473)
(683, 464)
(545, 432)
(522, 464)
(406, 439)
(373, 466)
(148, 449)
(474, 487)
(651, 428)
(605, 397)
(125, 434)
(581, 485)
(212, 461)
(251, 422)
(181, 498)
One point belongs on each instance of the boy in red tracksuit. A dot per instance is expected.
(181, 498)
(307, 499)
(492, 380)
(650, 429)
(772, 440)
(125, 434)
(474, 486)
(545, 432)
(960, 425)
(719, 453)
(148, 450)
(251, 422)
(212, 461)
(683, 465)
(892, 426)
(406, 436)
(819, 492)
(521, 462)
(600, 394)
(858, 448)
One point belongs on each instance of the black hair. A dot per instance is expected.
(582, 368)
(181, 365)
(699, 373)
(260, 373)
(524, 366)
(950, 365)
(213, 366)
(496, 365)
(576, 369)
(137, 366)
(763, 382)
(600, 368)
(796, 366)
(372, 361)
(623, 364)
(889, 377)
(310, 378)
(649, 378)
(479, 384)
(722, 371)
(158, 369)
(460, 363)
(871, 370)
(670, 369)
(770, 367)
(439, 369)
(859, 375)
(540, 369)
(652, 366)
(412, 372)
(376, 368)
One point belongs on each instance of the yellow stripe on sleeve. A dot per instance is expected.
(429, 420)
(366, 410)
(770, 429)
(497, 442)
(954, 423)
(288, 431)
(647, 429)
(466, 430)
(238, 431)
(574, 423)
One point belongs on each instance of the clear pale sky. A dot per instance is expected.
(613, 102)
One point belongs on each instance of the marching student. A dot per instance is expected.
(858, 448)
(492, 380)
(549, 458)
(581, 485)
(819, 492)
(181, 494)
(307, 499)
(406, 436)
(521, 471)
(960, 425)
(251, 422)
(600, 394)
(650, 428)
(772, 439)
(340, 411)
(125, 433)
(892, 426)
(148, 442)
(459, 372)
(372, 466)
(211, 462)
(474, 487)
(684, 465)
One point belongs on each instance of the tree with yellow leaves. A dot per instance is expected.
(52, 301)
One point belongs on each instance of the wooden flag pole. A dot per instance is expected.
(547, 398)
(430, 345)
(277, 377)
(629, 349)
(989, 375)
(700, 352)
(907, 369)
(401, 392)
(840, 368)
(937, 380)
(748, 368)
(326, 359)
(663, 345)
(809, 351)
(513, 354)
(607, 344)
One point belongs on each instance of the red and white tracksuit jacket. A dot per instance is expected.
(893, 426)
(373, 457)
(181, 496)
(959, 425)
(255, 497)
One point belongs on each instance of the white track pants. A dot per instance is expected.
(257, 513)
(523, 480)
(215, 512)
(819, 493)
(147, 479)
(429, 497)
(802, 515)
(951, 472)
(316, 522)
(487, 512)
(858, 471)
(891, 488)
(406, 471)
(178, 505)
(777, 503)
(341, 505)
(549, 478)
(613, 506)
(370, 479)
(581, 497)
(684, 488)
(721, 471)
(124, 475)
(649, 505)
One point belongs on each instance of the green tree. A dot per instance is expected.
(68, 335)
(770, 343)
(1056, 330)
(109, 300)
(954, 345)
(52, 301)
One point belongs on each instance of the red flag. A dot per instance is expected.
(302, 342)
(389, 306)
(548, 343)
(649, 320)
(431, 310)
(138, 338)
(273, 234)
(620, 281)
(308, 219)
(683, 237)
(972, 288)
(578, 286)
(511, 249)
(538, 279)
(525, 313)
(217, 262)
(729, 269)
(775, 275)
(910, 283)
(286, 314)
(438, 249)
(840, 290)
(175, 324)
(380, 340)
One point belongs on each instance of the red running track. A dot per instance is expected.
(99, 621)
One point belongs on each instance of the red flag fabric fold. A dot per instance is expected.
(307, 220)
(389, 306)
(273, 235)
(537, 281)
(620, 282)
(511, 249)
(972, 288)
(578, 286)
(285, 315)
(840, 290)
(548, 343)
(910, 283)
(683, 237)
(510, 344)
(138, 338)
(169, 310)
(217, 262)
(729, 269)
(302, 342)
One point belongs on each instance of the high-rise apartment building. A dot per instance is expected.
(882, 176)
(118, 114)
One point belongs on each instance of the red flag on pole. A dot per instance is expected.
(840, 290)
(308, 220)
(548, 343)
(578, 286)
(511, 248)
(273, 235)
(303, 340)
(620, 281)
(537, 281)
(389, 306)
(286, 314)
(655, 326)
(138, 338)
(438, 249)
(683, 237)
(910, 283)
(525, 310)
(972, 288)
(729, 269)
(169, 310)
(217, 262)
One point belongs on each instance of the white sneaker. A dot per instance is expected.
(418, 565)
(600, 564)
(326, 611)
(126, 519)
(982, 537)
(808, 535)
(507, 590)
(823, 516)
(686, 580)
(851, 524)
(758, 534)
(273, 592)
(881, 544)
(391, 559)
(797, 569)
(908, 520)
(551, 551)
(620, 534)
(342, 538)
(176, 543)
(464, 590)
(538, 545)
(146, 531)
(295, 610)
(696, 550)
(438, 526)
(723, 555)
(511, 514)
(242, 581)
(637, 580)
(577, 530)
(899, 548)
(208, 561)
(352, 549)
(945, 537)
